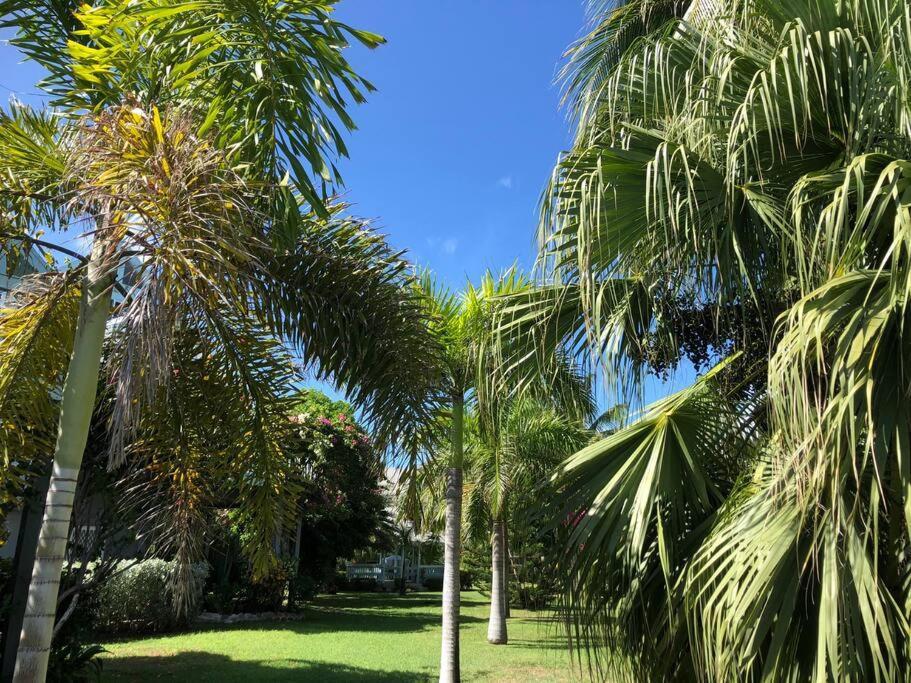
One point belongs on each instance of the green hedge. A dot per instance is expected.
(139, 599)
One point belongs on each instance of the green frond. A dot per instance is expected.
(37, 324)
(270, 76)
(637, 504)
(347, 302)
(34, 149)
(775, 596)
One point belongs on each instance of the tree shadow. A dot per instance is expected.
(421, 600)
(205, 666)
(542, 644)
(359, 612)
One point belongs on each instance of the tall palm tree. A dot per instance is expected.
(737, 193)
(507, 460)
(207, 162)
(479, 364)
(462, 326)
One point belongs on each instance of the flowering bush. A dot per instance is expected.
(343, 508)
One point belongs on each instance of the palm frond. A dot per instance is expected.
(37, 324)
(636, 506)
(271, 74)
(346, 301)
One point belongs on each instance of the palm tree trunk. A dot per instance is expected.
(507, 564)
(75, 415)
(449, 653)
(496, 626)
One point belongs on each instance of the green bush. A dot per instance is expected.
(74, 662)
(139, 599)
(466, 579)
(433, 583)
(301, 588)
(530, 595)
(239, 592)
(362, 585)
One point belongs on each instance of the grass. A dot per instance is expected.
(348, 637)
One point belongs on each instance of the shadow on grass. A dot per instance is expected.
(542, 644)
(393, 601)
(205, 666)
(359, 612)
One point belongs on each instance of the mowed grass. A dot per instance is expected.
(348, 637)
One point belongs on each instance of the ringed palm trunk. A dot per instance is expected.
(76, 407)
(496, 626)
(507, 567)
(452, 538)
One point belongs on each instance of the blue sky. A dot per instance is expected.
(454, 148)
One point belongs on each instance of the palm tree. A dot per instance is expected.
(508, 459)
(478, 365)
(188, 158)
(737, 194)
(461, 325)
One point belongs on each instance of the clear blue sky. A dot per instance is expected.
(454, 148)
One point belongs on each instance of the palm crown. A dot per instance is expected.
(737, 190)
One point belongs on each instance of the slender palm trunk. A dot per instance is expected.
(449, 653)
(75, 415)
(507, 566)
(496, 626)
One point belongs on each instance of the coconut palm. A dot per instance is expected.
(190, 166)
(737, 192)
(508, 458)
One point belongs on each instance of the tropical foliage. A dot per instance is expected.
(737, 193)
(181, 159)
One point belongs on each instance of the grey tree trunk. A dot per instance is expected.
(452, 538)
(76, 407)
(496, 625)
(507, 570)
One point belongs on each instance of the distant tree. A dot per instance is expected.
(508, 461)
(343, 507)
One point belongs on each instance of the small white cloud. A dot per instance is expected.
(450, 244)
(505, 182)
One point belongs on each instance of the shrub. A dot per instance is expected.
(239, 592)
(139, 599)
(263, 595)
(529, 595)
(362, 585)
(466, 579)
(302, 588)
(74, 662)
(433, 583)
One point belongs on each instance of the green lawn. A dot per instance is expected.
(350, 637)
